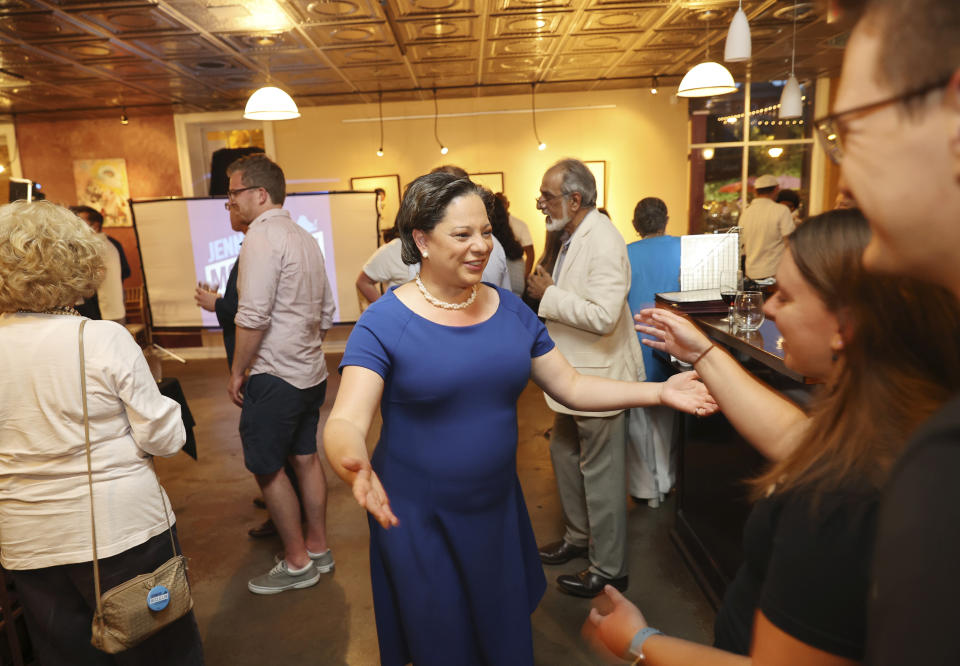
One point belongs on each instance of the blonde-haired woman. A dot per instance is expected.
(49, 260)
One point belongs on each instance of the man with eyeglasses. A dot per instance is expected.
(895, 131)
(584, 303)
(285, 308)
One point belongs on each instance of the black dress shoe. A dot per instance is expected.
(589, 584)
(560, 552)
(264, 529)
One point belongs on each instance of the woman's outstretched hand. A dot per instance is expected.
(686, 393)
(612, 631)
(674, 334)
(369, 492)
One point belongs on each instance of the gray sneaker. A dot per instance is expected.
(323, 561)
(279, 579)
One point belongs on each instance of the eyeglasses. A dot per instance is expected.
(830, 128)
(547, 198)
(232, 194)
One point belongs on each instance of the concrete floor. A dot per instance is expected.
(332, 623)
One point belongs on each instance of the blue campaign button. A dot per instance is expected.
(157, 598)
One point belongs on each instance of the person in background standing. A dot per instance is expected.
(654, 268)
(110, 293)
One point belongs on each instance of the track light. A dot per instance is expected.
(654, 86)
(436, 119)
(380, 112)
(533, 114)
(124, 119)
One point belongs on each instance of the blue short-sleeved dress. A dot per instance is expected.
(457, 581)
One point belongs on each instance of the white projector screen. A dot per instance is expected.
(186, 241)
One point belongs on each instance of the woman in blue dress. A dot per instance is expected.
(453, 561)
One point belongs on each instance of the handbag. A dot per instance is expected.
(135, 610)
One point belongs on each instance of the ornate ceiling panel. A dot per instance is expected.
(59, 57)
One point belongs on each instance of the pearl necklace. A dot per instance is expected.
(436, 302)
(62, 310)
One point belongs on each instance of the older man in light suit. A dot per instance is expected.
(585, 307)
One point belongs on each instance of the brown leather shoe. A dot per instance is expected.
(264, 529)
(589, 584)
(561, 552)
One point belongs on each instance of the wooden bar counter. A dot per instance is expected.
(714, 462)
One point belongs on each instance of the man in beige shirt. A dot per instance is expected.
(763, 226)
(285, 308)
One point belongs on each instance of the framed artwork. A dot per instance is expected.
(599, 170)
(102, 184)
(492, 180)
(390, 184)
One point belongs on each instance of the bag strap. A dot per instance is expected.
(86, 437)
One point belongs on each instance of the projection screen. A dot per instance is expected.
(183, 241)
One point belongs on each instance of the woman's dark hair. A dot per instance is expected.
(650, 216)
(500, 221)
(899, 364)
(789, 195)
(425, 203)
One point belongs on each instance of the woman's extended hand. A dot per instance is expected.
(615, 629)
(674, 334)
(686, 393)
(369, 492)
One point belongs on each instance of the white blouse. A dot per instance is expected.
(44, 493)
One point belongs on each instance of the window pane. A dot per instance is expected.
(765, 121)
(705, 115)
(790, 164)
(715, 189)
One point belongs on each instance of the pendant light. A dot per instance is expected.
(533, 113)
(380, 113)
(436, 121)
(270, 103)
(707, 79)
(738, 47)
(791, 99)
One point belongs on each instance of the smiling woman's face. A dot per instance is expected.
(458, 247)
(811, 332)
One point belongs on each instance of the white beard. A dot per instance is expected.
(554, 224)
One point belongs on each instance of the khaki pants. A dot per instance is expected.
(588, 460)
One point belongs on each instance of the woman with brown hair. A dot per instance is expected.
(886, 350)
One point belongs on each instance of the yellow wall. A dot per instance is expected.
(643, 140)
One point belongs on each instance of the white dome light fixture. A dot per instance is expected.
(791, 99)
(271, 103)
(738, 47)
(708, 78)
(705, 80)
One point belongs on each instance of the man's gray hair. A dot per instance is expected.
(578, 178)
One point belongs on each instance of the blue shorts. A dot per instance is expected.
(278, 420)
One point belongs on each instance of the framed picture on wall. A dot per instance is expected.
(389, 184)
(492, 180)
(599, 170)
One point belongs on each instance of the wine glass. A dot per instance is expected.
(729, 287)
(749, 310)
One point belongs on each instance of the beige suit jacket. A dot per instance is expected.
(586, 310)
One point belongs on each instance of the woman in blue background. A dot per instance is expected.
(453, 560)
(654, 268)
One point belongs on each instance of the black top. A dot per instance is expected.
(124, 265)
(915, 600)
(226, 309)
(807, 569)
